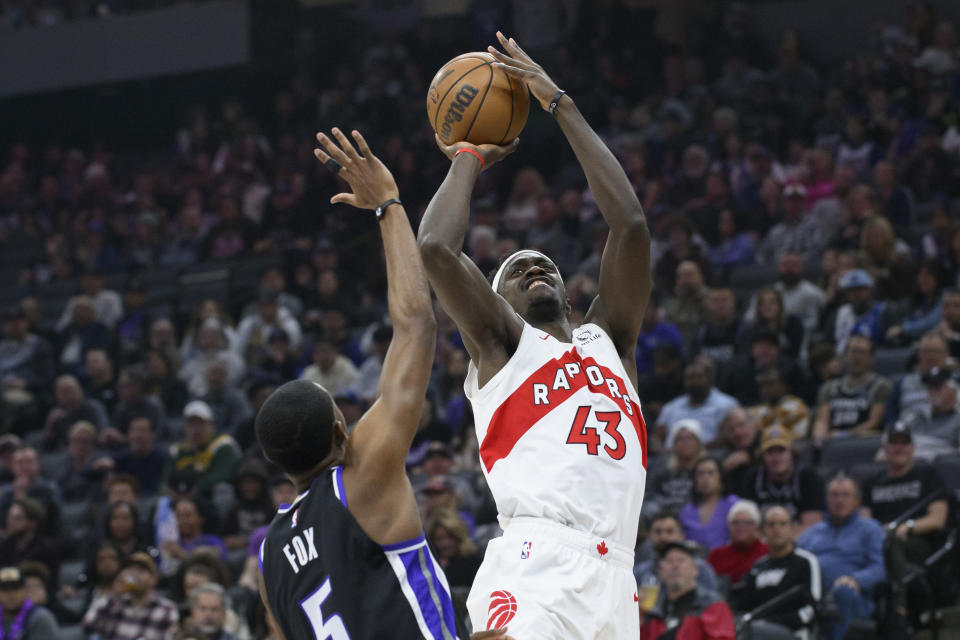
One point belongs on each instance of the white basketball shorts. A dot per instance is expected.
(543, 580)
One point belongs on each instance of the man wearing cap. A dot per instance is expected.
(665, 527)
(890, 496)
(936, 428)
(799, 233)
(684, 610)
(208, 457)
(134, 611)
(778, 480)
(21, 619)
(702, 402)
(855, 403)
(849, 548)
(860, 314)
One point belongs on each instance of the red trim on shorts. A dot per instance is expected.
(517, 414)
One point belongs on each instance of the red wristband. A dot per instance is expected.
(473, 153)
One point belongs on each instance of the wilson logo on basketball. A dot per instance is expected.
(455, 112)
(503, 606)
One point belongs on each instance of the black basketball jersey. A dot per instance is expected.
(850, 407)
(326, 579)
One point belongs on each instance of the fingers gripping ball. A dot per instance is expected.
(470, 100)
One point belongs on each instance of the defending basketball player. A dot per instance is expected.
(348, 559)
(562, 441)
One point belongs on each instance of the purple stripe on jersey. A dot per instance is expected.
(260, 555)
(400, 545)
(338, 478)
(421, 589)
(446, 601)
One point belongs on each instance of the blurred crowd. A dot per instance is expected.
(22, 14)
(805, 320)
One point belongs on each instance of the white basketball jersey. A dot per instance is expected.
(561, 435)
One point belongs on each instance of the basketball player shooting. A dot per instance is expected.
(348, 560)
(562, 441)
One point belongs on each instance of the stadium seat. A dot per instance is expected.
(751, 277)
(53, 464)
(841, 454)
(949, 468)
(804, 452)
(891, 362)
(864, 471)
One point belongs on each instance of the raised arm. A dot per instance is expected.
(380, 497)
(625, 281)
(483, 317)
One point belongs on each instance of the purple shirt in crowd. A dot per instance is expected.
(713, 533)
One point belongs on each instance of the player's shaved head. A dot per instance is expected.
(295, 426)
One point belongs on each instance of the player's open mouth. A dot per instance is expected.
(537, 282)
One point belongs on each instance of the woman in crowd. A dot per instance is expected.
(671, 488)
(451, 544)
(704, 519)
(770, 315)
(924, 312)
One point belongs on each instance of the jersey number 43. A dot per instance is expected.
(580, 433)
(331, 628)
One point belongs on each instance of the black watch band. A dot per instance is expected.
(555, 100)
(382, 209)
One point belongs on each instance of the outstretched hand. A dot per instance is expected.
(369, 179)
(491, 153)
(518, 65)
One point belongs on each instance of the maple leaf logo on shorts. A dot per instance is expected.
(602, 548)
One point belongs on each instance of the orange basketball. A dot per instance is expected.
(471, 100)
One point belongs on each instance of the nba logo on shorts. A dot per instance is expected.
(525, 550)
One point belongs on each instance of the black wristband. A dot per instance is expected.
(554, 101)
(383, 207)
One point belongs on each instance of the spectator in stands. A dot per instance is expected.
(208, 310)
(849, 548)
(26, 362)
(734, 247)
(440, 492)
(163, 337)
(253, 508)
(100, 382)
(135, 611)
(21, 618)
(909, 394)
(779, 407)
(687, 309)
(254, 330)
(162, 385)
(672, 487)
(949, 327)
(211, 346)
(666, 381)
(704, 518)
(702, 402)
(193, 532)
(27, 483)
(331, 370)
(682, 606)
(778, 479)
(741, 442)
(366, 386)
(209, 604)
(887, 260)
(25, 539)
(82, 333)
(201, 568)
(855, 403)
(892, 498)
(229, 404)
(681, 248)
(771, 316)
(654, 333)
(784, 567)
(936, 429)
(38, 583)
(102, 566)
(107, 304)
(733, 560)
(132, 402)
(925, 307)
(121, 526)
(207, 457)
(740, 379)
(282, 491)
(71, 407)
(141, 458)
(800, 298)
(717, 338)
(9, 444)
(799, 232)
(276, 360)
(825, 365)
(665, 528)
(860, 315)
(245, 435)
(451, 544)
(78, 478)
(894, 200)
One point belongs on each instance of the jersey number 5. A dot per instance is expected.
(580, 433)
(330, 629)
